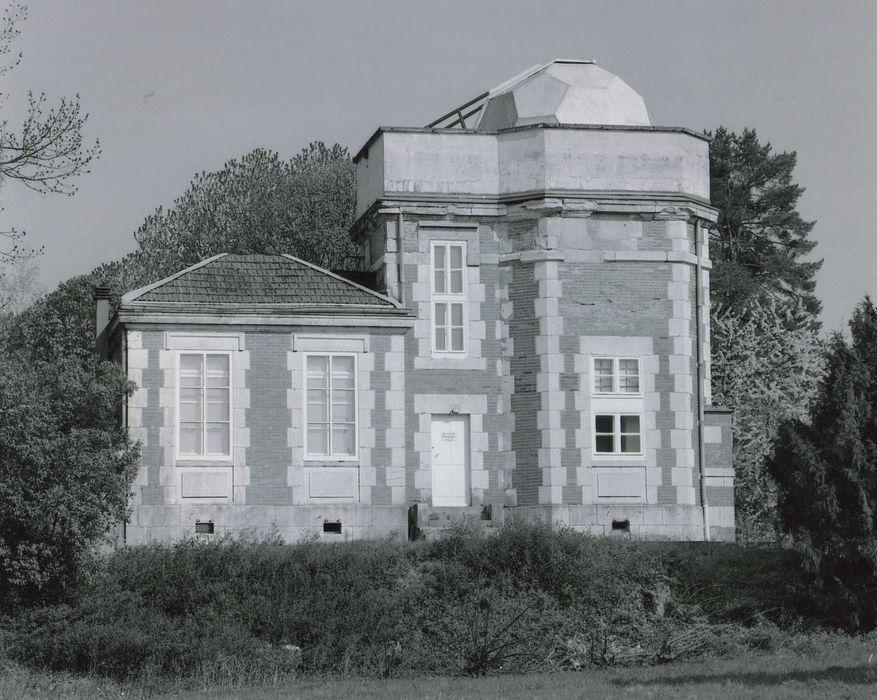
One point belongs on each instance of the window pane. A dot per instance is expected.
(603, 443)
(457, 339)
(628, 376)
(456, 281)
(190, 370)
(630, 443)
(603, 366)
(342, 373)
(190, 438)
(318, 412)
(190, 404)
(318, 440)
(217, 370)
(343, 439)
(318, 372)
(604, 424)
(438, 264)
(217, 404)
(629, 384)
(438, 257)
(343, 409)
(456, 314)
(190, 363)
(217, 439)
(630, 424)
(603, 384)
(603, 376)
(441, 320)
(439, 277)
(318, 396)
(456, 257)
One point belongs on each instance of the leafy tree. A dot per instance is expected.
(826, 470)
(19, 286)
(258, 204)
(760, 239)
(47, 152)
(65, 469)
(767, 363)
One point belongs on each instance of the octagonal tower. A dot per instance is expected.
(580, 357)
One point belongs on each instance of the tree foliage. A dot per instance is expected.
(66, 465)
(760, 241)
(767, 363)
(255, 204)
(826, 470)
(258, 204)
(19, 286)
(48, 151)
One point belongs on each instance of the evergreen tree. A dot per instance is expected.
(760, 238)
(767, 363)
(826, 471)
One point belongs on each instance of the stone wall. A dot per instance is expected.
(267, 485)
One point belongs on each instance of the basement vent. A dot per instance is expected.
(332, 528)
(621, 526)
(204, 528)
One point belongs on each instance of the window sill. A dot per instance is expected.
(226, 461)
(598, 395)
(456, 362)
(614, 459)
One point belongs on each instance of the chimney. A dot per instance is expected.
(101, 321)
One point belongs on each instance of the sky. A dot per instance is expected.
(178, 87)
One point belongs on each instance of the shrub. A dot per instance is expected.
(528, 597)
(65, 470)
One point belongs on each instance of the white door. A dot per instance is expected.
(450, 460)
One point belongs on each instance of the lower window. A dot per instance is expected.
(449, 327)
(204, 405)
(331, 406)
(617, 433)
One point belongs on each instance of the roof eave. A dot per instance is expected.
(172, 308)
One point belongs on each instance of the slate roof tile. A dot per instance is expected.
(260, 279)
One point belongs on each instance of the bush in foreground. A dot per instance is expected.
(65, 469)
(529, 597)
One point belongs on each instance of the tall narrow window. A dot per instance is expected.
(449, 297)
(205, 405)
(331, 407)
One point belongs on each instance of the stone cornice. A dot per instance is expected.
(665, 206)
(363, 152)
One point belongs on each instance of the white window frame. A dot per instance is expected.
(616, 435)
(448, 298)
(183, 457)
(616, 376)
(330, 457)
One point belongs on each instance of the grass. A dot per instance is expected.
(821, 666)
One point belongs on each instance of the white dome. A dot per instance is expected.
(563, 92)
